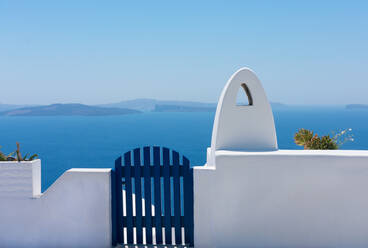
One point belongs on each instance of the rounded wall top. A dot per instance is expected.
(246, 127)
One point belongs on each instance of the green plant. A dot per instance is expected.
(311, 141)
(18, 157)
(25, 158)
(4, 157)
(303, 137)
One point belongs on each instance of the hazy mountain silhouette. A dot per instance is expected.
(67, 110)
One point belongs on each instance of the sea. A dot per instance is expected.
(64, 142)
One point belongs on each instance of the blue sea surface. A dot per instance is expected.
(65, 142)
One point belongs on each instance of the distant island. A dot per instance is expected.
(120, 108)
(357, 106)
(153, 105)
(178, 108)
(149, 105)
(67, 110)
(6, 107)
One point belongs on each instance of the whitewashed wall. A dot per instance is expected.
(250, 194)
(74, 212)
(20, 180)
(283, 199)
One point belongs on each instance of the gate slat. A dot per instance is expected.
(128, 197)
(157, 195)
(167, 195)
(119, 200)
(188, 203)
(147, 193)
(138, 195)
(177, 212)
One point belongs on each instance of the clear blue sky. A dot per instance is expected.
(106, 51)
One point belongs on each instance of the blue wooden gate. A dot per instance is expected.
(152, 177)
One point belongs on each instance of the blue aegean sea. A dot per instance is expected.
(64, 142)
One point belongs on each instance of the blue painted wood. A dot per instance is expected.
(128, 197)
(157, 195)
(173, 200)
(147, 193)
(138, 195)
(167, 195)
(177, 210)
(119, 200)
(188, 203)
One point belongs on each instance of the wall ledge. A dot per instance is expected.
(360, 153)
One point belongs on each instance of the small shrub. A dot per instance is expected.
(303, 137)
(25, 158)
(311, 141)
(18, 156)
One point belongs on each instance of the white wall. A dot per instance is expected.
(74, 212)
(283, 198)
(249, 194)
(20, 179)
(249, 127)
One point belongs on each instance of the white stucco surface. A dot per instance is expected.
(283, 199)
(74, 212)
(20, 179)
(250, 194)
(242, 127)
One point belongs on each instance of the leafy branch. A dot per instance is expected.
(18, 157)
(311, 141)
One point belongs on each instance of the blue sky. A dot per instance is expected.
(312, 52)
